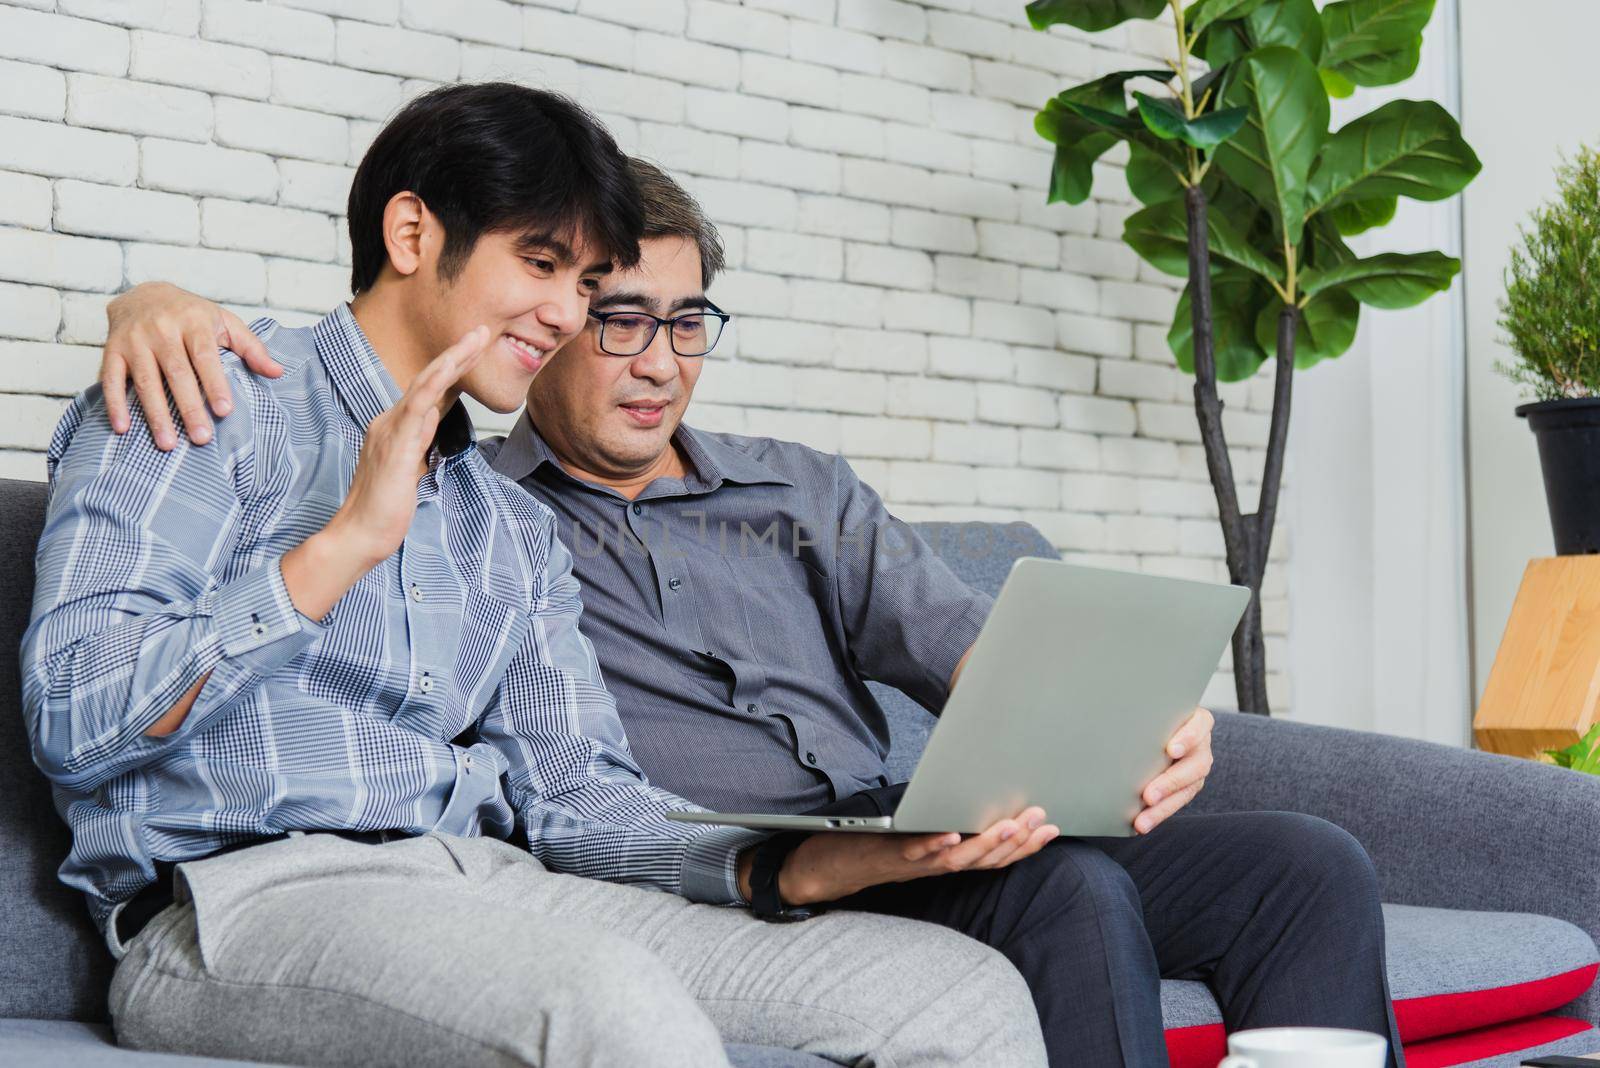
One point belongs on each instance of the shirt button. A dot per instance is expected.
(811, 758)
(673, 584)
(425, 684)
(751, 707)
(638, 509)
(416, 593)
(259, 630)
(466, 761)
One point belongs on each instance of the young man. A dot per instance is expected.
(297, 687)
(740, 590)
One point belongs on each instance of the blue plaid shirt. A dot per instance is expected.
(449, 690)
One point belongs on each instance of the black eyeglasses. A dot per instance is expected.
(628, 333)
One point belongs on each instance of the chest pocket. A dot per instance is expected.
(785, 610)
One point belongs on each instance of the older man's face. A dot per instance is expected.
(615, 415)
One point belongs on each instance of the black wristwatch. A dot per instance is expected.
(765, 901)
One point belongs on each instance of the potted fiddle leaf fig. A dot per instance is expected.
(1238, 121)
(1551, 316)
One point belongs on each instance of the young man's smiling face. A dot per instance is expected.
(614, 416)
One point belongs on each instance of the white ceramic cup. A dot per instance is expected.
(1305, 1047)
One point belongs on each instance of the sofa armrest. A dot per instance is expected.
(1446, 827)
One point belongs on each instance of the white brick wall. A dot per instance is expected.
(904, 293)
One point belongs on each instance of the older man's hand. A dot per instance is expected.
(1190, 752)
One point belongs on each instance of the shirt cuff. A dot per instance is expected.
(711, 865)
(257, 622)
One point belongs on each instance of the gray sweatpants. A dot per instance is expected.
(316, 950)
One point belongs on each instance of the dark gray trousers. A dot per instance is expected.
(1276, 912)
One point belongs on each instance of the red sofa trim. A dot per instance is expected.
(1449, 1014)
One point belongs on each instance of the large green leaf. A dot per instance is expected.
(1165, 119)
(1383, 68)
(1360, 216)
(1091, 15)
(1337, 84)
(1105, 100)
(1223, 43)
(1079, 142)
(1389, 280)
(1327, 327)
(1236, 300)
(1272, 154)
(1292, 23)
(1408, 148)
(1160, 233)
(1203, 13)
(1152, 176)
(1359, 28)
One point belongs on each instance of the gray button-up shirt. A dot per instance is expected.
(737, 612)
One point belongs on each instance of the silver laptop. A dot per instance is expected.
(1075, 684)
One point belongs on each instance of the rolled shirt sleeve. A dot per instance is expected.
(586, 806)
(908, 617)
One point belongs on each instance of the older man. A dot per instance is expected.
(739, 592)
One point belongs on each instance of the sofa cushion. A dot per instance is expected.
(1477, 977)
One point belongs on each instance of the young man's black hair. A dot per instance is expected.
(493, 157)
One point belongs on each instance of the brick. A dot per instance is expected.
(1015, 323)
(881, 265)
(197, 64)
(933, 68)
(842, 217)
(124, 212)
(994, 446)
(1170, 496)
(797, 168)
(784, 341)
(1061, 290)
(890, 183)
(753, 293)
(933, 313)
(1054, 370)
(960, 195)
(962, 113)
(481, 63)
(59, 41)
(1018, 487)
(281, 31)
(965, 357)
(83, 320)
(681, 150)
(1061, 218)
(1098, 257)
(390, 50)
(1018, 244)
(741, 382)
(733, 113)
(337, 90)
(30, 420)
(32, 91)
(49, 367)
(887, 439)
(1099, 493)
(743, 204)
(934, 232)
(59, 151)
(312, 287)
(667, 16)
(786, 79)
(1142, 381)
(281, 131)
(1016, 405)
(1061, 450)
(1021, 165)
(384, 11)
(924, 147)
(883, 98)
(739, 27)
(32, 313)
(260, 228)
(885, 18)
(835, 47)
(633, 95)
(580, 38)
(490, 21)
(969, 34)
(933, 398)
(832, 131)
(1094, 335)
(1019, 85)
(796, 254)
(206, 170)
(61, 261)
(841, 391)
(237, 277)
(837, 303)
(897, 351)
(133, 107)
(1137, 301)
(318, 186)
(1097, 415)
(168, 16)
(718, 418)
(1079, 537)
(1137, 456)
(688, 61)
(1142, 533)
(918, 482)
(815, 10)
(819, 430)
(24, 200)
(966, 277)
(1200, 537)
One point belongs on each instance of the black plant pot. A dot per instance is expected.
(1568, 433)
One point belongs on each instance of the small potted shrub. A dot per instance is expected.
(1551, 316)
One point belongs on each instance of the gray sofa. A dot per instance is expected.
(1492, 865)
